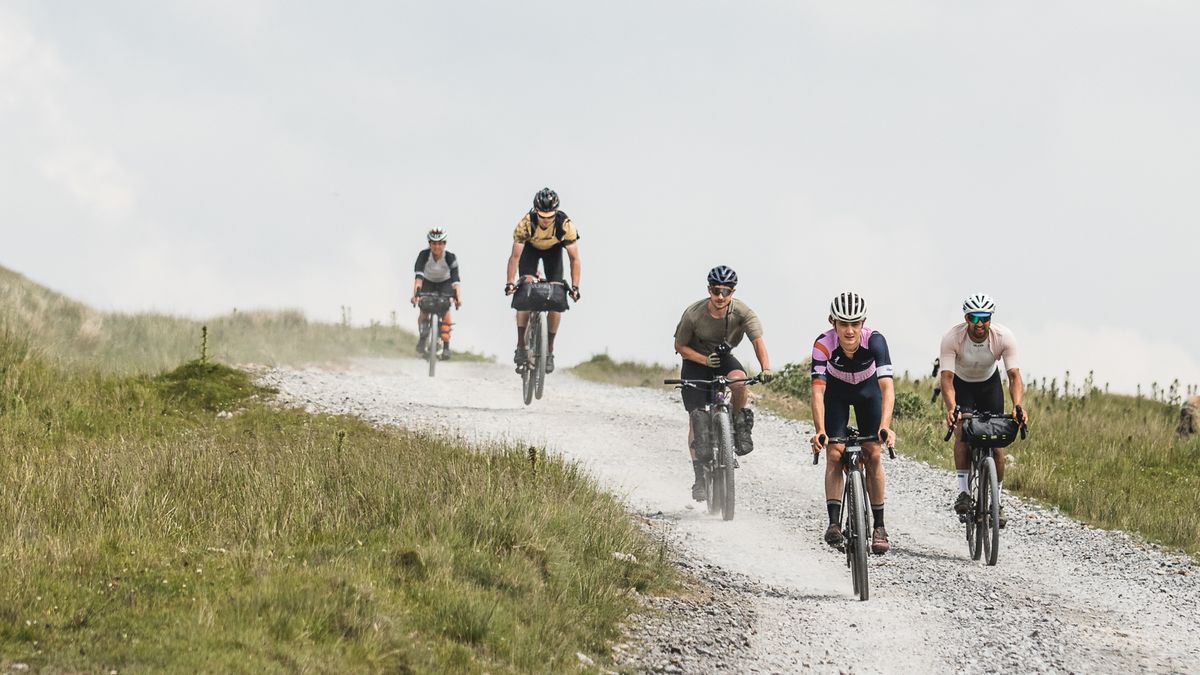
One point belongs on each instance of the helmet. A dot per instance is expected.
(437, 234)
(979, 302)
(722, 276)
(546, 200)
(848, 307)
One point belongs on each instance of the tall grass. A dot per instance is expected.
(140, 530)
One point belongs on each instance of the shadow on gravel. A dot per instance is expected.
(925, 555)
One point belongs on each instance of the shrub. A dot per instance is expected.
(794, 380)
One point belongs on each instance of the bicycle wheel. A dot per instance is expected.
(858, 537)
(431, 350)
(528, 377)
(714, 483)
(542, 350)
(974, 541)
(991, 513)
(723, 426)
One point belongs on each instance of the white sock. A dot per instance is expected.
(962, 480)
(1000, 489)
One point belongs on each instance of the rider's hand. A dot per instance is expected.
(457, 303)
(1021, 415)
(766, 375)
(413, 300)
(818, 442)
(888, 435)
(510, 288)
(950, 418)
(574, 293)
(713, 360)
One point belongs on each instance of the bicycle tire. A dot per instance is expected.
(991, 515)
(431, 352)
(711, 483)
(859, 535)
(724, 432)
(974, 540)
(539, 385)
(527, 375)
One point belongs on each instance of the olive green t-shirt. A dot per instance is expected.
(703, 333)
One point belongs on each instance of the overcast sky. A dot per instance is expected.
(193, 156)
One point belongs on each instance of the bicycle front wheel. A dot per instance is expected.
(431, 350)
(723, 427)
(974, 538)
(543, 349)
(857, 541)
(990, 513)
(528, 377)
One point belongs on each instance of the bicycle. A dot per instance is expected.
(984, 432)
(712, 432)
(855, 504)
(546, 296)
(435, 306)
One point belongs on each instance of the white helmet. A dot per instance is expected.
(437, 234)
(979, 302)
(848, 307)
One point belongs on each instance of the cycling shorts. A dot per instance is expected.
(866, 399)
(551, 259)
(694, 399)
(445, 288)
(986, 396)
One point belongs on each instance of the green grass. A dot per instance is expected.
(73, 334)
(601, 368)
(140, 531)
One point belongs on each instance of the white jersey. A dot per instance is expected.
(975, 361)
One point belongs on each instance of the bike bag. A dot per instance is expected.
(994, 432)
(540, 296)
(435, 304)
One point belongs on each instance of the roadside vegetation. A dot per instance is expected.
(183, 521)
(1110, 460)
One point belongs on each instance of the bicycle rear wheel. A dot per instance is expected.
(542, 350)
(723, 427)
(990, 513)
(858, 540)
(431, 350)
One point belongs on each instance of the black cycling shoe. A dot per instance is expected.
(421, 345)
(698, 492)
(445, 351)
(833, 536)
(549, 363)
(520, 358)
(962, 505)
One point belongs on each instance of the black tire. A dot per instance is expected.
(723, 429)
(539, 385)
(716, 489)
(858, 515)
(974, 533)
(991, 514)
(527, 374)
(431, 352)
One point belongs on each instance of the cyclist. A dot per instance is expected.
(970, 378)
(436, 272)
(705, 337)
(542, 235)
(851, 366)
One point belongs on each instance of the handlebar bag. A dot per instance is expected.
(540, 296)
(436, 304)
(994, 432)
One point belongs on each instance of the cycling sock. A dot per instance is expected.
(698, 467)
(834, 507)
(962, 480)
(520, 336)
(877, 513)
(551, 344)
(1000, 489)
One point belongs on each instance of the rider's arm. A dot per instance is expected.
(946, 379)
(513, 260)
(690, 354)
(573, 254)
(887, 388)
(818, 406)
(1016, 386)
(760, 351)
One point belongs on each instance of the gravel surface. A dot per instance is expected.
(771, 596)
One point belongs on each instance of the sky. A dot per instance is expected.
(193, 156)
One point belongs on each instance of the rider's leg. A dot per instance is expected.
(738, 390)
(422, 330)
(872, 458)
(552, 328)
(522, 322)
(835, 482)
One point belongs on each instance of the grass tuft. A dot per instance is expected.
(208, 386)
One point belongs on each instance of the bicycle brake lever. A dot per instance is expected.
(891, 453)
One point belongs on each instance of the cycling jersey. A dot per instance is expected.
(973, 361)
(544, 238)
(698, 330)
(870, 361)
(437, 270)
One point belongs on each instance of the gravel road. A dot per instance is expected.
(773, 596)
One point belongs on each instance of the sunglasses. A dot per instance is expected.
(721, 291)
(979, 318)
(547, 214)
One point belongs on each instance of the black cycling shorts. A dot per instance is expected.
(986, 396)
(865, 397)
(440, 287)
(694, 399)
(551, 258)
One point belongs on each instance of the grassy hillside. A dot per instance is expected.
(144, 527)
(74, 334)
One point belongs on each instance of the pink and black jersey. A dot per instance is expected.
(871, 360)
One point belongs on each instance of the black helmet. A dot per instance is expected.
(722, 276)
(546, 200)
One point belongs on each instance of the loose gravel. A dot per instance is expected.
(770, 596)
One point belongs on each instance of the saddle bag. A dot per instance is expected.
(540, 296)
(994, 432)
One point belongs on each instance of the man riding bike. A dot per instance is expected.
(436, 272)
(542, 235)
(705, 337)
(851, 366)
(970, 378)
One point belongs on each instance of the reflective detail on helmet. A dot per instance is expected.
(848, 307)
(546, 200)
(437, 234)
(722, 276)
(979, 302)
